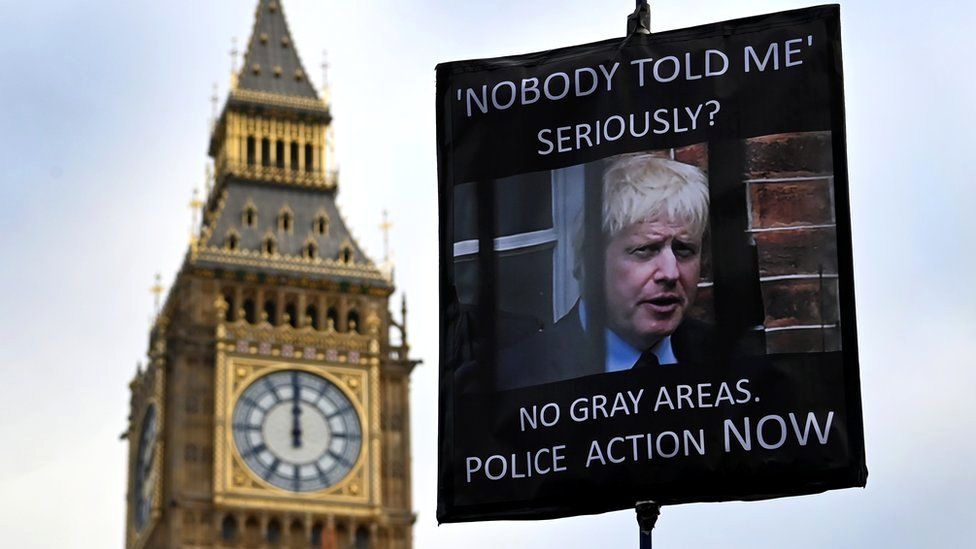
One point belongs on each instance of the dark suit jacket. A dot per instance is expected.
(563, 352)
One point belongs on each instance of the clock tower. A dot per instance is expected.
(273, 409)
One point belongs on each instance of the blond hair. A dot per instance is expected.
(642, 187)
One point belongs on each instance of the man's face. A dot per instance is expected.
(652, 271)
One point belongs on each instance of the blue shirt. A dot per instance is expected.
(621, 355)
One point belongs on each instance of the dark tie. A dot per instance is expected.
(647, 358)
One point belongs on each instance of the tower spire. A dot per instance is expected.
(271, 63)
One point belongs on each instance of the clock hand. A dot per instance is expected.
(296, 412)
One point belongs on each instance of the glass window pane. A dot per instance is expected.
(523, 203)
(524, 285)
(524, 289)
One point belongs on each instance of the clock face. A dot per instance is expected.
(297, 431)
(144, 488)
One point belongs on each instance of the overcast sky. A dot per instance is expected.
(104, 112)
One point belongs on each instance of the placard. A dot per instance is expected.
(647, 289)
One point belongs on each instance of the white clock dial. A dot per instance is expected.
(143, 491)
(297, 431)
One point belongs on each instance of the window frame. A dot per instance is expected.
(566, 193)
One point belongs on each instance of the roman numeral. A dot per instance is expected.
(254, 451)
(339, 412)
(272, 469)
(271, 387)
(323, 475)
(342, 460)
(253, 403)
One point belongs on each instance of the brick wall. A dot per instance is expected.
(790, 184)
(790, 206)
(697, 155)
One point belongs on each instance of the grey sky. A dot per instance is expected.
(105, 109)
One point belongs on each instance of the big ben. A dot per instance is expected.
(273, 408)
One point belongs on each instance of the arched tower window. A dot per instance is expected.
(286, 220)
(292, 311)
(309, 159)
(280, 153)
(232, 241)
(317, 534)
(332, 318)
(229, 300)
(320, 225)
(352, 321)
(345, 253)
(293, 164)
(310, 250)
(249, 311)
(312, 316)
(274, 531)
(362, 538)
(228, 528)
(269, 312)
(270, 245)
(251, 152)
(249, 217)
(265, 152)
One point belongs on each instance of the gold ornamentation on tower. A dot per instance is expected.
(287, 419)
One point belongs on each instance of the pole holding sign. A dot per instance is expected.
(640, 20)
(647, 511)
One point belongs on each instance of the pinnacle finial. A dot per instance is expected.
(403, 318)
(325, 68)
(208, 178)
(385, 226)
(157, 291)
(214, 100)
(326, 95)
(194, 205)
(234, 52)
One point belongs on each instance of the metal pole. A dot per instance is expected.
(647, 513)
(640, 21)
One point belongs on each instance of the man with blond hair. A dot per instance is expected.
(655, 212)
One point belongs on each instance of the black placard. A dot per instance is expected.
(646, 283)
